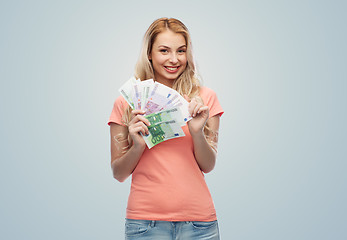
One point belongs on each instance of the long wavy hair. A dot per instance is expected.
(186, 84)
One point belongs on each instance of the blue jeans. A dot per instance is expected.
(164, 230)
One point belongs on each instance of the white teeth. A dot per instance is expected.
(172, 68)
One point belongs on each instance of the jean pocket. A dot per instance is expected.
(204, 225)
(136, 227)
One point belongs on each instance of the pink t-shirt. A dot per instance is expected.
(167, 183)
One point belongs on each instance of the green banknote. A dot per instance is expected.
(163, 131)
(166, 116)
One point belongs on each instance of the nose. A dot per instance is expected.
(173, 58)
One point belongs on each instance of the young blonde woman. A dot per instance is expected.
(169, 198)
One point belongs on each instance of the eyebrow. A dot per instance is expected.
(168, 47)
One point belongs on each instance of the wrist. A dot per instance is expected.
(139, 147)
(197, 133)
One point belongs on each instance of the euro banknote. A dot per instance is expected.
(166, 116)
(164, 107)
(163, 131)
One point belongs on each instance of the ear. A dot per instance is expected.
(149, 57)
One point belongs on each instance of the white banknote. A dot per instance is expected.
(158, 101)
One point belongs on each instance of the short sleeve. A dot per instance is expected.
(210, 99)
(119, 107)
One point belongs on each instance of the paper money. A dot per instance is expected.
(163, 131)
(127, 91)
(147, 86)
(157, 98)
(164, 107)
(166, 116)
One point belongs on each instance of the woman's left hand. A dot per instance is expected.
(199, 114)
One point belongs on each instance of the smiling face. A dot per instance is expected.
(168, 57)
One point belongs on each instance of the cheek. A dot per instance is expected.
(158, 59)
(184, 59)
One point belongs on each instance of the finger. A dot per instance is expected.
(139, 127)
(139, 118)
(144, 129)
(196, 109)
(138, 130)
(136, 112)
(143, 119)
(192, 103)
(202, 109)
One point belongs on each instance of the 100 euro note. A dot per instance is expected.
(164, 107)
(163, 131)
(166, 115)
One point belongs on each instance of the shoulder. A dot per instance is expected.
(120, 99)
(120, 105)
(120, 102)
(207, 93)
(118, 110)
(209, 97)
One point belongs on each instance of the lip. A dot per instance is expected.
(173, 69)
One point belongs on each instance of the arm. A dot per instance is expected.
(205, 155)
(125, 155)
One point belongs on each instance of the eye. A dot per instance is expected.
(163, 50)
(181, 51)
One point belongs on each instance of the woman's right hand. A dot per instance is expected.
(138, 124)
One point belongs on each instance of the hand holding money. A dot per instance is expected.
(138, 125)
(164, 111)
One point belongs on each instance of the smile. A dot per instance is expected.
(171, 69)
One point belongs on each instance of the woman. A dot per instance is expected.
(169, 198)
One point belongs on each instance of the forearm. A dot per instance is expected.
(205, 155)
(123, 166)
(127, 145)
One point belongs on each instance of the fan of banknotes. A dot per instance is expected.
(165, 108)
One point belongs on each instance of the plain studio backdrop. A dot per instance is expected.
(278, 68)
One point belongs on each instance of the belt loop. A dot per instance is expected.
(152, 223)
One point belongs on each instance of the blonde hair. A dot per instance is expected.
(187, 83)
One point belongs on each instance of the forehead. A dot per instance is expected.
(169, 39)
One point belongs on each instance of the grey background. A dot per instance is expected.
(278, 67)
